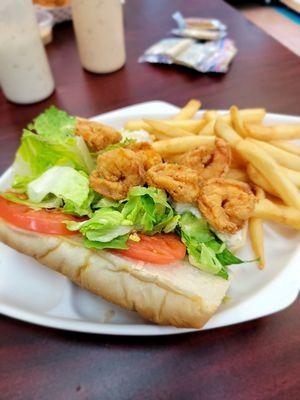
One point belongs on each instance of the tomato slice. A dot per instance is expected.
(42, 221)
(158, 249)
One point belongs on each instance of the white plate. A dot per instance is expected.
(33, 293)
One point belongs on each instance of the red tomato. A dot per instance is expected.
(42, 221)
(158, 249)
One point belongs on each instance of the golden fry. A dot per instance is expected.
(273, 132)
(224, 131)
(180, 145)
(287, 146)
(237, 121)
(280, 214)
(164, 129)
(248, 115)
(256, 233)
(189, 110)
(294, 176)
(283, 157)
(211, 115)
(259, 180)
(269, 168)
(208, 129)
(190, 125)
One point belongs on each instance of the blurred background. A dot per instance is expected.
(280, 19)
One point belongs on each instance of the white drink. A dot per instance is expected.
(100, 34)
(25, 74)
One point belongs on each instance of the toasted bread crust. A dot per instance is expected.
(115, 280)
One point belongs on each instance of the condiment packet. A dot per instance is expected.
(199, 34)
(165, 50)
(198, 23)
(214, 56)
(209, 57)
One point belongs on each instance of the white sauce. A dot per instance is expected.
(25, 74)
(180, 208)
(100, 34)
(235, 240)
(139, 136)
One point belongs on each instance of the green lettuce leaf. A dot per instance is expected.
(117, 243)
(55, 125)
(48, 202)
(63, 182)
(50, 141)
(105, 225)
(205, 250)
(86, 207)
(36, 155)
(149, 210)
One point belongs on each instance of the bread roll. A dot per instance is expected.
(176, 294)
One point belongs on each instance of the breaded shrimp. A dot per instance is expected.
(181, 182)
(149, 156)
(117, 171)
(97, 135)
(226, 204)
(209, 162)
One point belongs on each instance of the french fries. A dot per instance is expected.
(223, 130)
(284, 145)
(189, 110)
(248, 115)
(259, 180)
(237, 121)
(211, 115)
(280, 214)
(208, 129)
(191, 125)
(273, 132)
(164, 129)
(294, 176)
(180, 145)
(256, 232)
(281, 156)
(269, 168)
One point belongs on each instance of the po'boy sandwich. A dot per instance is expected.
(150, 234)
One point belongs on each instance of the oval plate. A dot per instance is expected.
(31, 292)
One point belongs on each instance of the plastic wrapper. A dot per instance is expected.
(214, 56)
(165, 50)
(199, 34)
(198, 23)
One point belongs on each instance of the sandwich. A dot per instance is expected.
(150, 233)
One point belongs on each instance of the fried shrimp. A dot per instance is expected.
(226, 204)
(117, 171)
(97, 135)
(209, 162)
(181, 182)
(148, 155)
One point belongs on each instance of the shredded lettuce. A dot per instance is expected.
(205, 250)
(117, 243)
(149, 210)
(63, 182)
(105, 226)
(49, 141)
(48, 202)
(54, 124)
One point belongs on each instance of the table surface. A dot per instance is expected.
(254, 360)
